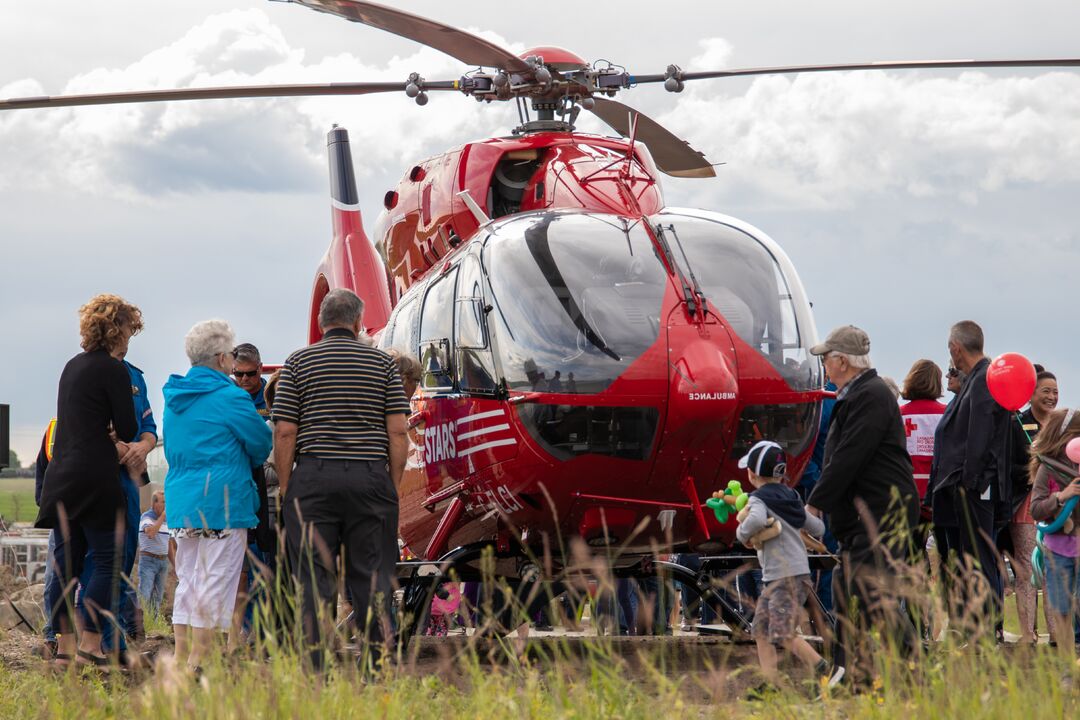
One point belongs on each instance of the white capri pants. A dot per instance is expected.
(208, 573)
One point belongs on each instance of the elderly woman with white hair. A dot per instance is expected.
(214, 439)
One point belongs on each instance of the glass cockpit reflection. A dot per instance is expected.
(744, 282)
(576, 298)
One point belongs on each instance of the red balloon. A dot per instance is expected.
(1011, 380)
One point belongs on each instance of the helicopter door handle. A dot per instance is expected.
(525, 398)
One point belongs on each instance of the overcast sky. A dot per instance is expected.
(907, 200)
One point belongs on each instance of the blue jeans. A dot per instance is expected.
(823, 578)
(152, 574)
(255, 591)
(706, 614)
(100, 585)
(621, 606)
(748, 588)
(661, 594)
(52, 585)
(126, 612)
(1062, 583)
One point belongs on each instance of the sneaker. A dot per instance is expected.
(835, 675)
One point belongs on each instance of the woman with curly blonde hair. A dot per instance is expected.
(103, 321)
(81, 495)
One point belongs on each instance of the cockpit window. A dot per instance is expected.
(576, 299)
(744, 283)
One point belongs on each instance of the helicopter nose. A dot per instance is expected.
(704, 386)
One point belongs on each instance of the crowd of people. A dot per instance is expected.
(957, 486)
(337, 436)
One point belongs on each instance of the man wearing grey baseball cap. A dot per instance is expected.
(867, 488)
(846, 339)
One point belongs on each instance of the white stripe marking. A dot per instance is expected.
(485, 446)
(342, 206)
(483, 431)
(479, 416)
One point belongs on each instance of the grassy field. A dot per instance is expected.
(597, 677)
(948, 682)
(17, 499)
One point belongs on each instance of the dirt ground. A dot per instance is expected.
(706, 664)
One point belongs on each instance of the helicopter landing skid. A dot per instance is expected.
(422, 581)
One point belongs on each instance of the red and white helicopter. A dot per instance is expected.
(595, 362)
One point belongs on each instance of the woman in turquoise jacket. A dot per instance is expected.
(213, 439)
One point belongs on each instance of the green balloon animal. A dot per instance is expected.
(728, 503)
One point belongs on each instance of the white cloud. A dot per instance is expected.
(828, 140)
(262, 145)
(817, 140)
(715, 53)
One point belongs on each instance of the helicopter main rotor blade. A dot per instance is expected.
(672, 154)
(215, 93)
(883, 65)
(459, 44)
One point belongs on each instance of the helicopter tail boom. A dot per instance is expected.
(352, 261)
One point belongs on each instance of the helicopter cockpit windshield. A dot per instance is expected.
(576, 298)
(746, 283)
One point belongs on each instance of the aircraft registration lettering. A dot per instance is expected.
(507, 500)
(499, 499)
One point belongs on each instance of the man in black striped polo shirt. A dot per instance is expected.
(340, 412)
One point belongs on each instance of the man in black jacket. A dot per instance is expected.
(868, 489)
(970, 478)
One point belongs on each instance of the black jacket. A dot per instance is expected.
(972, 448)
(866, 459)
(1022, 432)
(84, 474)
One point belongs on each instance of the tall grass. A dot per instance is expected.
(949, 683)
(491, 675)
(597, 677)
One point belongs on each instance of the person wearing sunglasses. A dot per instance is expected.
(954, 379)
(247, 372)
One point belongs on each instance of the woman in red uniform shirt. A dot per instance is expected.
(921, 414)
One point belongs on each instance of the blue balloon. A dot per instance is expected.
(1059, 522)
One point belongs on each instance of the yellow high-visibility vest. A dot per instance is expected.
(50, 439)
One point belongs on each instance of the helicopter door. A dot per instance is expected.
(436, 330)
(475, 366)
